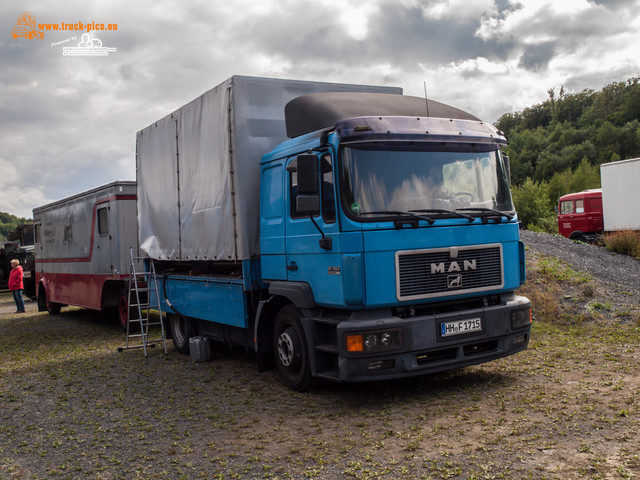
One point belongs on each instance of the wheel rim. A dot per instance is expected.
(123, 310)
(286, 351)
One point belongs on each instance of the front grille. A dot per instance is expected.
(448, 271)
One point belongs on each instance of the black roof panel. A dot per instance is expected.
(308, 113)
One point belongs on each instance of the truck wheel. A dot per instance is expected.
(44, 304)
(290, 347)
(578, 236)
(42, 299)
(53, 308)
(123, 310)
(181, 332)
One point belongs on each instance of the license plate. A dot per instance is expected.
(448, 329)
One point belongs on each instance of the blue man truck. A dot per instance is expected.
(342, 232)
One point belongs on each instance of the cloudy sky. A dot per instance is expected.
(68, 123)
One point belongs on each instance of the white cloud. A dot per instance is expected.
(458, 9)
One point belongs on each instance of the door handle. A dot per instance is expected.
(292, 267)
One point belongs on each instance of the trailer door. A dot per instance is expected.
(102, 236)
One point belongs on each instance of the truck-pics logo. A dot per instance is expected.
(89, 47)
(26, 27)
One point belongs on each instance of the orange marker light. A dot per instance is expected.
(355, 343)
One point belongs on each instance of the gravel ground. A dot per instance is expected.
(606, 266)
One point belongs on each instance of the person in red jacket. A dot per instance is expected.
(16, 286)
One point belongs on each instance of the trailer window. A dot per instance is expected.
(103, 221)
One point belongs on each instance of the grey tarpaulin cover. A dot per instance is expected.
(198, 168)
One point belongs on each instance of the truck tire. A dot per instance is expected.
(44, 304)
(578, 236)
(122, 310)
(181, 332)
(53, 308)
(290, 347)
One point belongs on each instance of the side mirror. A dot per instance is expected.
(308, 174)
(308, 204)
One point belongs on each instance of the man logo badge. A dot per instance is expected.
(454, 281)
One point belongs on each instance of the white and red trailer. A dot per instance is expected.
(82, 249)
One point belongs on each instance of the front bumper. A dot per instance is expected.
(423, 349)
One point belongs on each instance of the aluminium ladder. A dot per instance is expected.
(142, 295)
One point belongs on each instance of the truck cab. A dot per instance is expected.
(580, 215)
(398, 238)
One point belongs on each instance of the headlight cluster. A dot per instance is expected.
(372, 341)
(520, 318)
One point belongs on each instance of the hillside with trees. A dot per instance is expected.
(557, 146)
(8, 224)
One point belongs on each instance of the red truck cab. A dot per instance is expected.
(580, 214)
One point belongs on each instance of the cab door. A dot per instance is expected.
(312, 244)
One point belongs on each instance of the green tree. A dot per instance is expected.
(531, 202)
(585, 176)
(8, 224)
(558, 186)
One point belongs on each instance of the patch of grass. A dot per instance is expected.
(556, 269)
(626, 242)
(588, 290)
(601, 306)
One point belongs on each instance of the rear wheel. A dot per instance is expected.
(578, 236)
(53, 308)
(44, 303)
(181, 332)
(290, 346)
(123, 310)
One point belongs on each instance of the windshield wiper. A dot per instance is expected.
(430, 220)
(490, 211)
(444, 211)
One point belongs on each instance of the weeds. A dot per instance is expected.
(626, 242)
(555, 269)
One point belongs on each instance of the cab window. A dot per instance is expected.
(566, 207)
(328, 197)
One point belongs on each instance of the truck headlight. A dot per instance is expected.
(520, 318)
(378, 341)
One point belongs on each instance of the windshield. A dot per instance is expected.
(377, 181)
